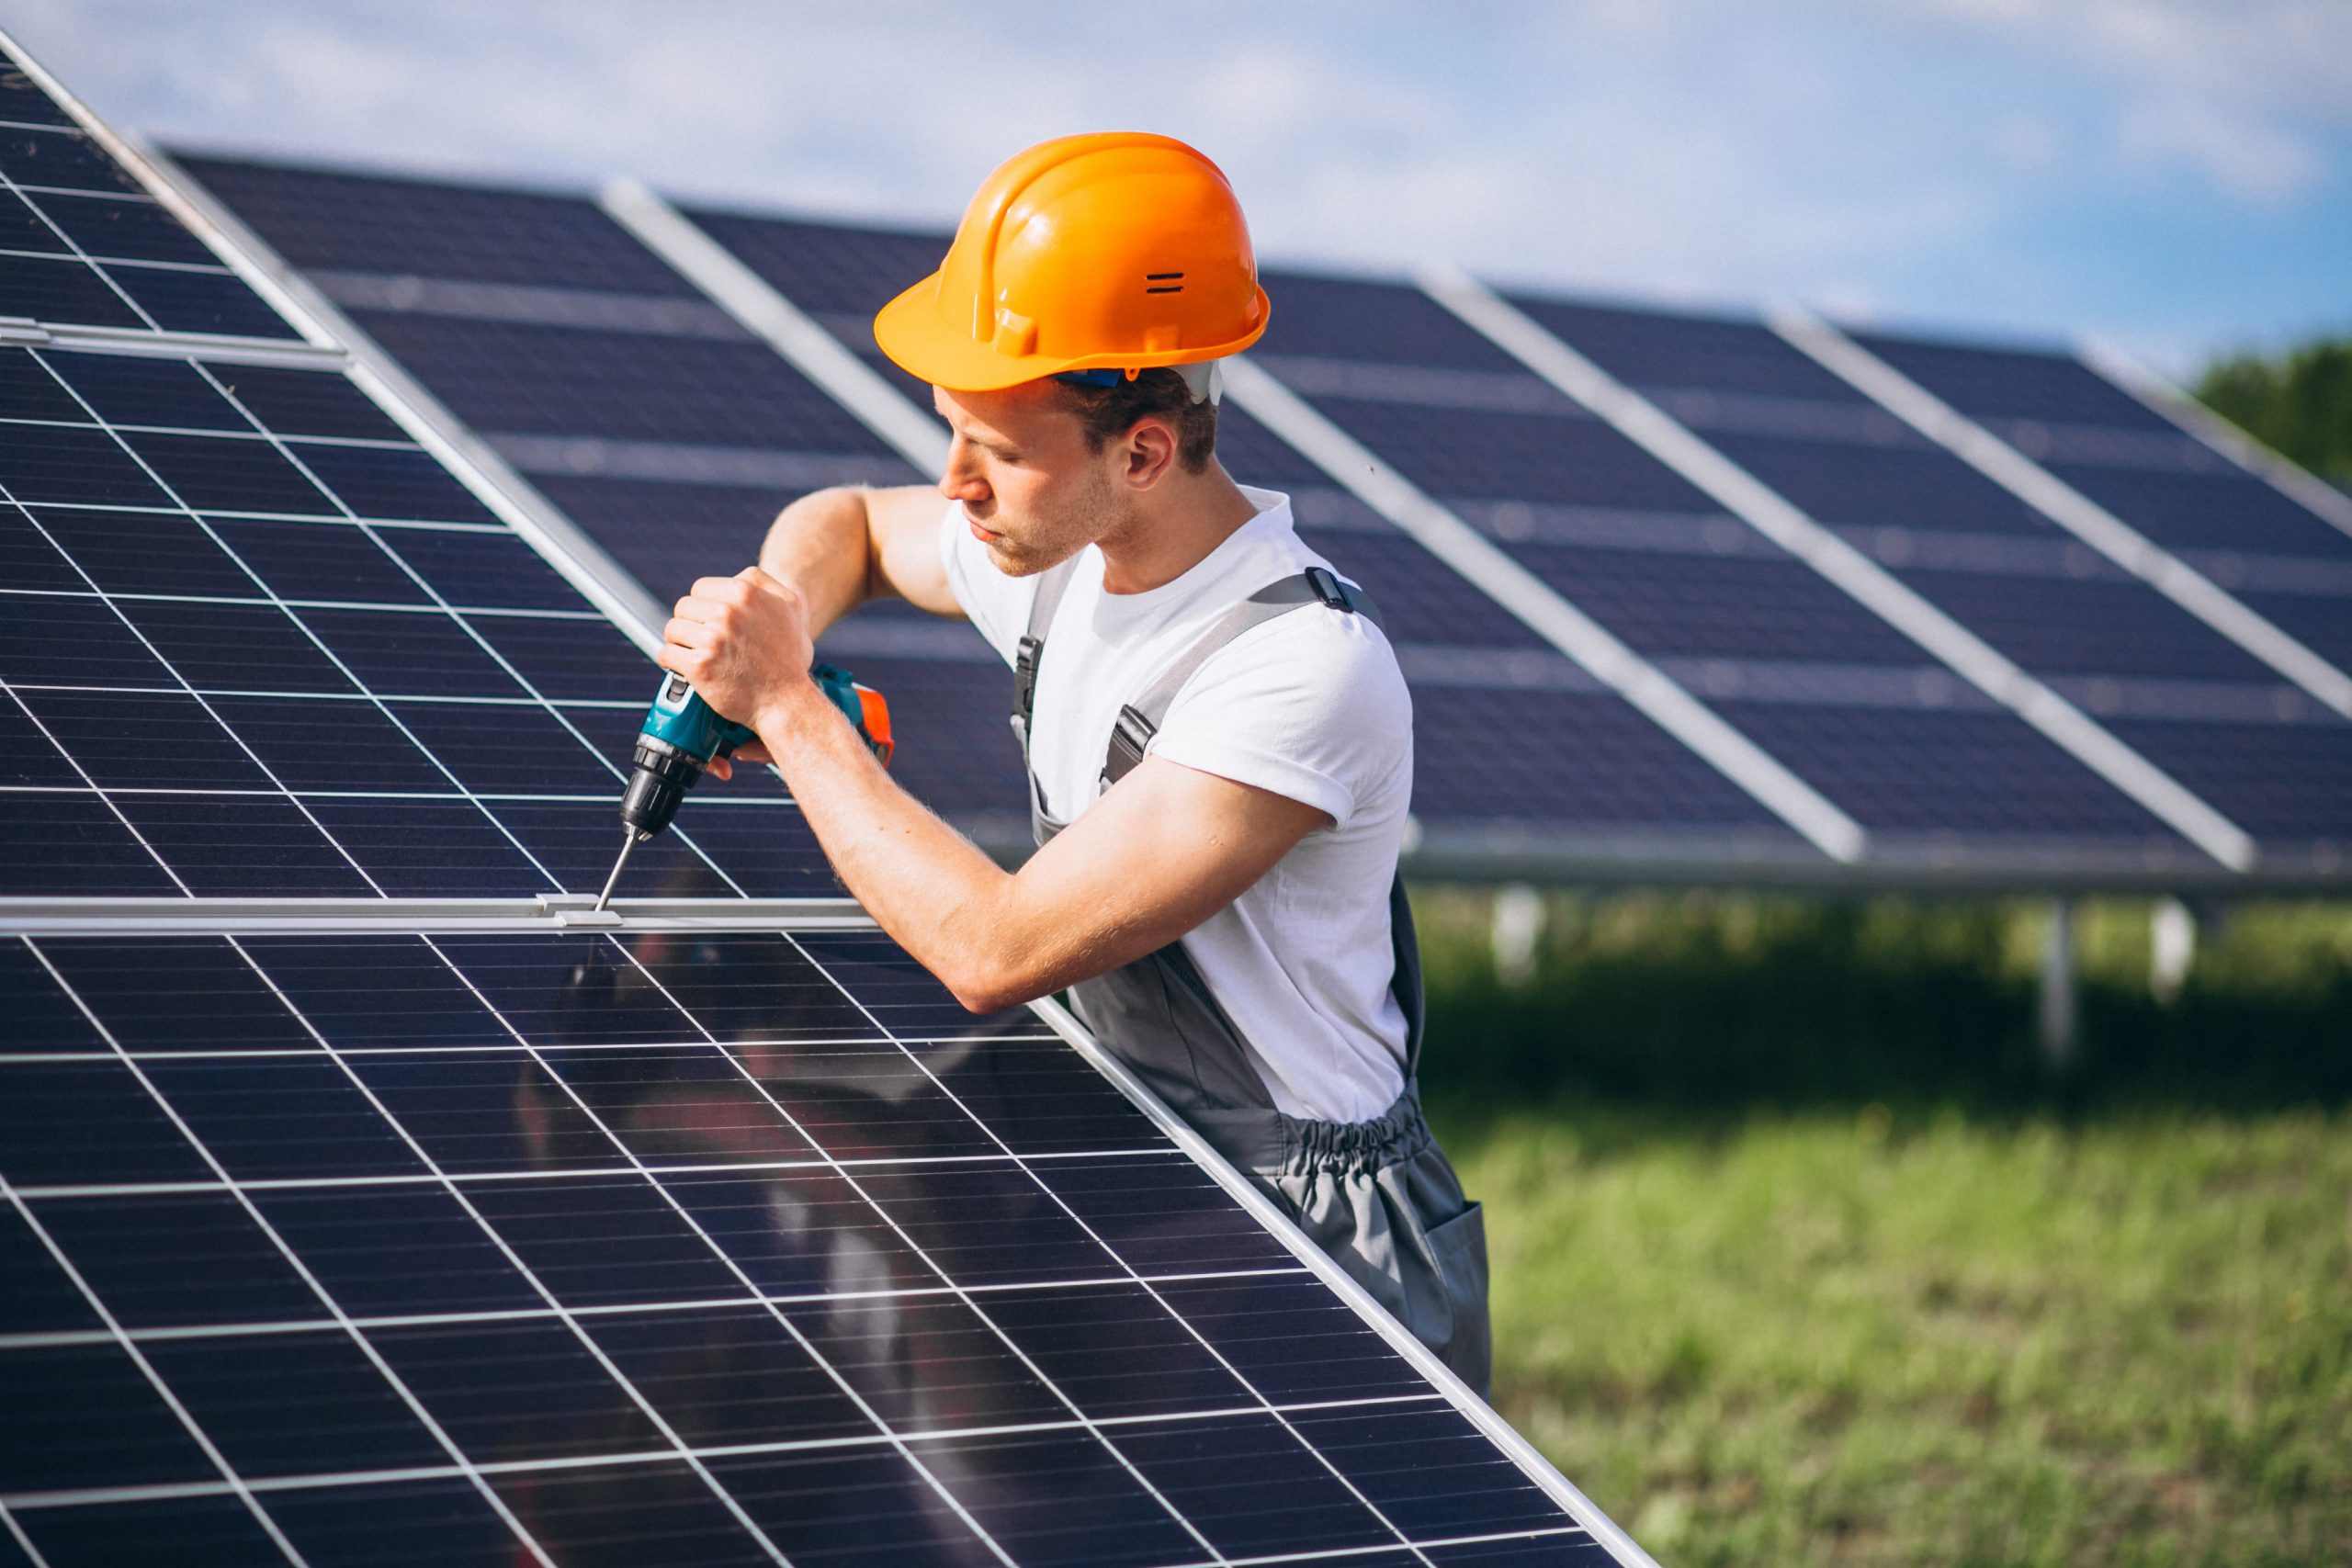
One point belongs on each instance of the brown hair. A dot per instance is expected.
(1108, 412)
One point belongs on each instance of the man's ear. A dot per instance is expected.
(1151, 449)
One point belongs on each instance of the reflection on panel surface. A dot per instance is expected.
(742, 1224)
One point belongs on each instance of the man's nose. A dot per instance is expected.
(962, 481)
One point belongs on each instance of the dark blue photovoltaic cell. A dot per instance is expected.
(111, 219)
(1117, 1286)
(2321, 623)
(2114, 625)
(2014, 383)
(1908, 486)
(1650, 349)
(99, 702)
(1420, 599)
(667, 535)
(1480, 454)
(1256, 456)
(2208, 512)
(2287, 783)
(380, 223)
(1568, 759)
(1379, 322)
(1917, 771)
(1718, 606)
(511, 378)
(826, 267)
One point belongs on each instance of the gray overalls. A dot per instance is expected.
(1379, 1196)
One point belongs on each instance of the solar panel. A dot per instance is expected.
(1822, 682)
(316, 622)
(388, 1229)
(85, 245)
(660, 428)
(2196, 703)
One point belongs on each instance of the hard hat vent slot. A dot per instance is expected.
(1163, 283)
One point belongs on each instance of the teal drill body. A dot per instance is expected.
(682, 734)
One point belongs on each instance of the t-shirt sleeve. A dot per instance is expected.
(997, 605)
(1310, 705)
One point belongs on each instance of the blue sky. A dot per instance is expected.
(2173, 177)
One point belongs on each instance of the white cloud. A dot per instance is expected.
(2258, 162)
(1698, 148)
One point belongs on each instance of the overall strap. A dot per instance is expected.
(1051, 585)
(1138, 721)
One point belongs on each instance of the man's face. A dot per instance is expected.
(1019, 465)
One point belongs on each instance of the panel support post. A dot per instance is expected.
(1517, 930)
(2172, 948)
(2058, 1020)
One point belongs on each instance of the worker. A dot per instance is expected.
(1218, 738)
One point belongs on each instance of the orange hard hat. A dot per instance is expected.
(1113, 250)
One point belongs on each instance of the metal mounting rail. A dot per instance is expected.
(220, 348)
(554, 912)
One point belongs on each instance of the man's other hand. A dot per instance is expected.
(741, 641)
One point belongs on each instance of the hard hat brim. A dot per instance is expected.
(927, 346)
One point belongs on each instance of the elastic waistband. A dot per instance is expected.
(1269, 1143)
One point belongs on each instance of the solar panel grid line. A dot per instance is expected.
(293, 1260)
(434, 593)
(2029, 481)
(1561, 1489)
(793, 1329)
(10, 187)
(1517, 590)
(235, 1483)
(2153, 391)
(495, 482)
(551, 913)
(186, 686)
(763, 310)
(92, 785)
(24, 1542)
(79, 1496)
(266, 592)
(174, 1332)
(1189, 1328)
(515, 1259)
(136, 159)
(1189, 1527)
(1894, 600)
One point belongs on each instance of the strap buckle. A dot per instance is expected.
(1326, 588)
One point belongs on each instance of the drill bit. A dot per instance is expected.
(628, 843)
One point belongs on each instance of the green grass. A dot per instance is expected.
(1882, 1338)
(1802, 1255)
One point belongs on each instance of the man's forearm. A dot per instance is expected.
(822, 545)
(923, 883)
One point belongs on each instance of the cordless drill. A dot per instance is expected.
(682, 734)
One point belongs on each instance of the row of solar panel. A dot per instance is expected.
(258, 642)
(706, 1246)
(888, 1297)
(671, 435)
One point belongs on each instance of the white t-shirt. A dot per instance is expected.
(1310, 705)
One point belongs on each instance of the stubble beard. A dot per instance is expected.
(1052, 536)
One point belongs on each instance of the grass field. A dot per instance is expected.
(1955, 1313)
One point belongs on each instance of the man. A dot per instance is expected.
(1218, 739)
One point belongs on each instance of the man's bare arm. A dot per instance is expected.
(839, 547)
(1157, 856)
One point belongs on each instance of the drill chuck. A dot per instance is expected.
(657, 783)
